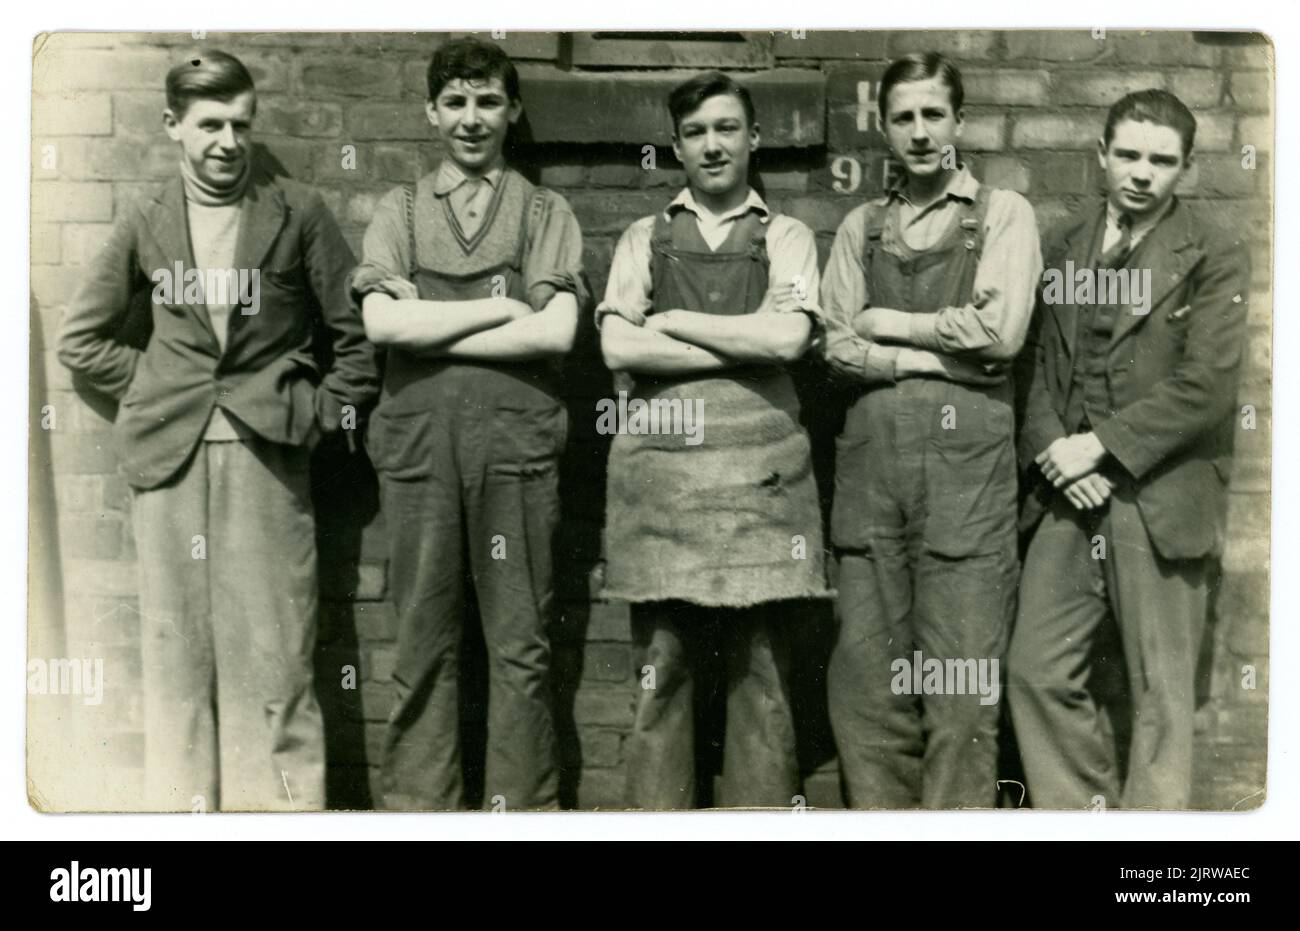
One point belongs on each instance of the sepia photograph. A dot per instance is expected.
(637, 421)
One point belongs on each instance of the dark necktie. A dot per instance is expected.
(1115, 256)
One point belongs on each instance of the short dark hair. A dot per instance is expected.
(686, 97)
(921, 66)
(206, 75)
(1153, 106)
(471, 59)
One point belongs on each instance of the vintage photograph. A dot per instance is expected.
(642, 421)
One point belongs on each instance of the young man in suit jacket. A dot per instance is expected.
(1126, 444)
(216, 422)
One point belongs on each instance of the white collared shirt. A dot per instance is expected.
(1137, 231)
(715, 227)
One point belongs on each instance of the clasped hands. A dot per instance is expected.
(1070, 464)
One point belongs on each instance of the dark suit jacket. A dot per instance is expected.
(268, 376)
(1172, 373)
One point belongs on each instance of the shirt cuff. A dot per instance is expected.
(880, 361)
(921, 331)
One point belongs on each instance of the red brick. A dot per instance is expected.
(608, 621)
(58, 69)
(983, 132)
(1161, 47)
(69, 200)
(1197, 87)
(82, 242)
(46, 243)
(376, 621)
(1101, 88)
(962, 44)
(600, 748)
(1252, 130)
(1060, 173)
(602, 789)
(139, 112)
(606, 662)
(1007, 86)
(793, 181)
(1053, 45)
(833, 44)
(377, 700)
(368, 121)
(1259, 54)
(52, 285)
(1222, 176)
(72, 114)
(626, 174)
(1251, 91)
(521, 45)
(1057, 130)
(611, 707)
(349, 76)
(378, 663)
(1004, 171)
(612, 212)
(821, 214)
(578, 107)
(292, 117)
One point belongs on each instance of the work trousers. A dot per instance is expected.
(1082, 568)
(228, 605)
(470, 488)
(679, 645)
(924, 528)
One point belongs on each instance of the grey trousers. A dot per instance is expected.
(228, 599)
(1159, 606)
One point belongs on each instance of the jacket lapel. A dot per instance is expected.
(170, 228)
(1074, 248)
(263, 217)
(1171, 253)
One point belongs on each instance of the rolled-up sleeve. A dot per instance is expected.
(553, 264)
(792, 251)
(992, 327)
(627, 292)
(844, 293)
(385, 249)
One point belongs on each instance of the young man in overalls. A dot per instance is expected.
(712, 540)
(471, 280)
(927, 295)
(216, 424)
(1127, 445)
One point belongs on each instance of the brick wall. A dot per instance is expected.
(1035, 103)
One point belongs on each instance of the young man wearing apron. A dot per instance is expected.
(928, 294)
(216, 424)
(471, 280)
(1127, 446)
(712, 539)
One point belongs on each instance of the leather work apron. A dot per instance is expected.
(734, 520)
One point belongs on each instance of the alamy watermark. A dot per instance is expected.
(922, 676)
(639, 417)
(218, 286)
(1122, 286)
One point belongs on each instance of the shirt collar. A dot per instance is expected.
(685, 200)
(451, 176)
(1141, 227)
(962, 185)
